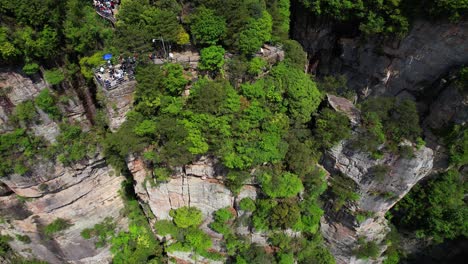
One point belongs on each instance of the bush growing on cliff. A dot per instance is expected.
(56, 226)
(331, 127)
(48, 104)
(185, 217)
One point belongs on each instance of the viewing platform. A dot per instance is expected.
(110, 76)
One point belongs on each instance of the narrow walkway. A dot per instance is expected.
(107, 9)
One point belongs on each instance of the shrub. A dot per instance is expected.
(406, 152)
(103, 231)
(256, 66)
(331, 127)
(366, 250)
(54, 76)
(380, 171)
(166, 227)
(56, 226)
(223, 215)
(247, 204)
(206, 27)
(283, 185)
(211, 58)
(25, 111)
(31, 68)
(24, 238)
(186, 217)
(47, 103)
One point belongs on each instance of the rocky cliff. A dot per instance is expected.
(382, 66)
(199, 185)
(378, 192)
(84, 193)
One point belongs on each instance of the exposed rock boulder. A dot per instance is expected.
(378, 193)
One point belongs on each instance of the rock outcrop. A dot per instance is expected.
(118, 101)
(84, 193)
(199, 185)
(377, 66)
(378, 193)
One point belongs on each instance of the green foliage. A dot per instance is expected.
(174, 81)
(7, 48)
(4, 246)
(373, 16)
(211, 58)
(379, 172)
(84, 30)
(54, 76)
(285, 214)
(166, 227)
(457, 142)
(301, 93)
(295, 55)
(343, 190)
(437, 209)
(256, 32)
(17, 151)
(103, 232)
(331, 127)
(261, 216)
(138, 244)
(145, 128)
(247, 204)
(23, 238)
(223, 215)
(198, 240)
(206, 27)
(73, 145)
(47, 103)
(367, 249)
(279, 10)
(185, 217)
(256, 66)
(56, 226)
(87, 64)
(31, 68)
(139, 22)
(282, 185)
(25, 112)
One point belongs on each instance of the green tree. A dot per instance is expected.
(174, 81)
(331, 127)
(282, 185)
(185, 217)
(47, 103)
(206, 27)
(211, 58)
(257, 32)
(54, 76)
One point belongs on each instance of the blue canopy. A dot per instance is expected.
(107, 56)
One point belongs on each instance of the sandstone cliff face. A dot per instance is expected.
(118, 102)
(341, 229)
(374, 66)
(84, 193)
(199, 185)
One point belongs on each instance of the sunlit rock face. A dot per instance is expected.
(341, 228)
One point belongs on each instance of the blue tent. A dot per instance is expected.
(107, 56)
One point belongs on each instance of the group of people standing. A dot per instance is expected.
(106, 7)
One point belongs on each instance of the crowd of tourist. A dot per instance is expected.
(106, 7)
(110, 75)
